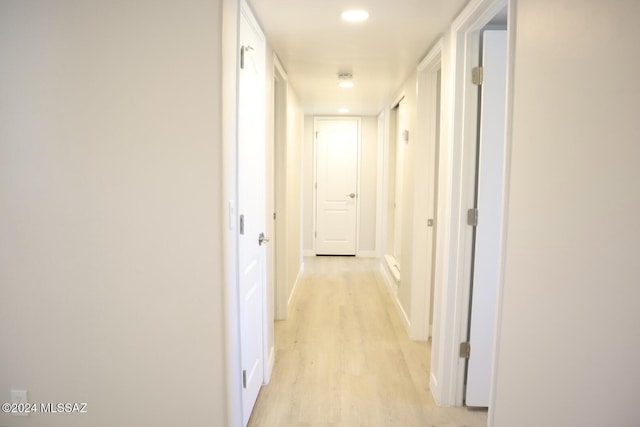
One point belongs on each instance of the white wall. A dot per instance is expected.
(294, 190)
(569, 343)
(405, 289)
(309, 192)
(408, 90)
(288, 186)
(368, 185)
(110, 210)
(413, 290)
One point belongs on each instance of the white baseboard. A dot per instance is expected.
(392, 287)
(388, 280)
(295, 287)
(433, 386)
(392, 265)
(309, 252)
(405, 319)
(270, 363)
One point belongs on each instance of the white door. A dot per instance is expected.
(337, 143)
(251, 207)
(489, 204)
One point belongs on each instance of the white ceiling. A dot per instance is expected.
(314, 45)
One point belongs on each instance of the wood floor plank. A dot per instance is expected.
(343, 358)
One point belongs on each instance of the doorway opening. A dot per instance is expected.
(453, 289)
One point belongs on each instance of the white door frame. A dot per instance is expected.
(423, 207)
(457, 182)
(230, 71)
(315, 175)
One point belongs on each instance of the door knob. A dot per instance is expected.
(262, 240)
(352, 195)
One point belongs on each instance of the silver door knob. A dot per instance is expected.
(352, 195)
(262, 240)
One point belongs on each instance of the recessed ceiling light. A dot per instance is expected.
(343, 110)
(355, 15)
(345, 84)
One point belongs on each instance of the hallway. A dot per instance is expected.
(344, 358)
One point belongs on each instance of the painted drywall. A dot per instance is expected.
(281, 87)
(110, 211)
(407, 175)
(569, 342)
(288, 152)
(294, 179)
(404, 162)
(368, 185)
(309, 192)
(289, 208)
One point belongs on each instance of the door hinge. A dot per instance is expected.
(315, 234)
(465, 350)
(244, 378)
(241, 226)
(274, 215)
(472, 217)
(316, 134)
(316, 185)
(243, 49)
(477, 76)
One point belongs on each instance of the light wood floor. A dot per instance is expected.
(343, 358)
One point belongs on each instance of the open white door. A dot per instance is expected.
(251, 207)
(337, 142)
(490, 186)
